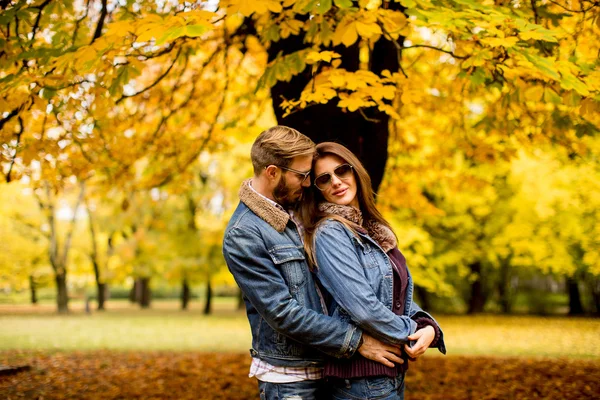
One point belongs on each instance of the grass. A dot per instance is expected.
(165, 327)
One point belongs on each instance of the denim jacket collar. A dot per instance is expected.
(263, 208)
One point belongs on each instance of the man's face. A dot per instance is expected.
(290, 187)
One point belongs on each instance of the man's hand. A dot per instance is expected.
(424, 337)
(383, 353)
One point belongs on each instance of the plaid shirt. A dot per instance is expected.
(263, 371)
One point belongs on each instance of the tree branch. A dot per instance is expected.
(398, 47)
(12, 162)
(79, 21)
(414, 46)
(67, 244)
(13, 113)
(100, 25)
(160, 78)
(209, 134)
(594, 4)
(36, 24)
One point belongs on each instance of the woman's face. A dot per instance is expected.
(340, 190)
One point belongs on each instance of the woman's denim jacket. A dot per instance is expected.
(358, 275)
(284, 309)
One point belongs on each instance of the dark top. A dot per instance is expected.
(358, 366)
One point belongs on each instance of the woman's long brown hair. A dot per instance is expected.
(311, 216)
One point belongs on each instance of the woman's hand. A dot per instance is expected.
(424, 337)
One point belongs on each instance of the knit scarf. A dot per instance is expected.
(376, 230)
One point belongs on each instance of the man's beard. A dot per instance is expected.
(284, 196)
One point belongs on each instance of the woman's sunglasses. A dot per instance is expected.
(323, 181)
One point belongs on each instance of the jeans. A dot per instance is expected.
(380, 388)
(303, 390)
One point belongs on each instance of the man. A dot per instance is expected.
(264, 252)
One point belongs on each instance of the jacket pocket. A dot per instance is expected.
(292, 263)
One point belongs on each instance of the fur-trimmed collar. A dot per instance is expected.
(377, 231)
(260, 206)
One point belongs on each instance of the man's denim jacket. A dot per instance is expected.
(358, 275)
(264, 252)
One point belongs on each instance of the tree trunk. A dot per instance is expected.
(594, 283)
(575, 304)
(133, 297)
(32, 289)
(424, 298)
(367, 138)
(504, 289)
(207, 306)
(240, 300)
(101, 289)
(477, 297)
(185, 294)
(145, 293)
(62, 296)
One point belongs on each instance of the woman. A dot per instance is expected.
(354, 254)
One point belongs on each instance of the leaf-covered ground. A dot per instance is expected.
(180, 375)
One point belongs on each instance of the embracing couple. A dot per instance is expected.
(328, 293)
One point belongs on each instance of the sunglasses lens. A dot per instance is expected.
(323, 181)
(343, 171)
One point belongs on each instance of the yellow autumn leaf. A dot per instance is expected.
(274, 6)
(501, 42)
(290, 27)
(353, 102)
(368, 30)
(315, 56)
(338, 79)
(346, 34)
(534, 93)
(589, 107)
(321, 94)
(153, 31)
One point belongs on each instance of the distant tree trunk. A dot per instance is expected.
(240, 300)
(101, 289)
(207, 306)
(478, 296)
(145, 293)
(185, 294)
(504, 288)
(594, 283)
(62, 296)
(133, 293)
(100, 286)
(575, 305)
(424, 298)
(32, 289)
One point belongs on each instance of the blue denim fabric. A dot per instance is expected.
(358, 275)
(304, 390)
(380, 388)
(282, 303)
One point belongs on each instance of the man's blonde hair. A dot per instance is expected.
(278, 146)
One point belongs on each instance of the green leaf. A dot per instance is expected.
(48, 93)
(544, 65)
(343, 3)
(195, 30)
(170, 34)
(323, 6)
(572, 82)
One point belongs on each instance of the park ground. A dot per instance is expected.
(165, 353)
